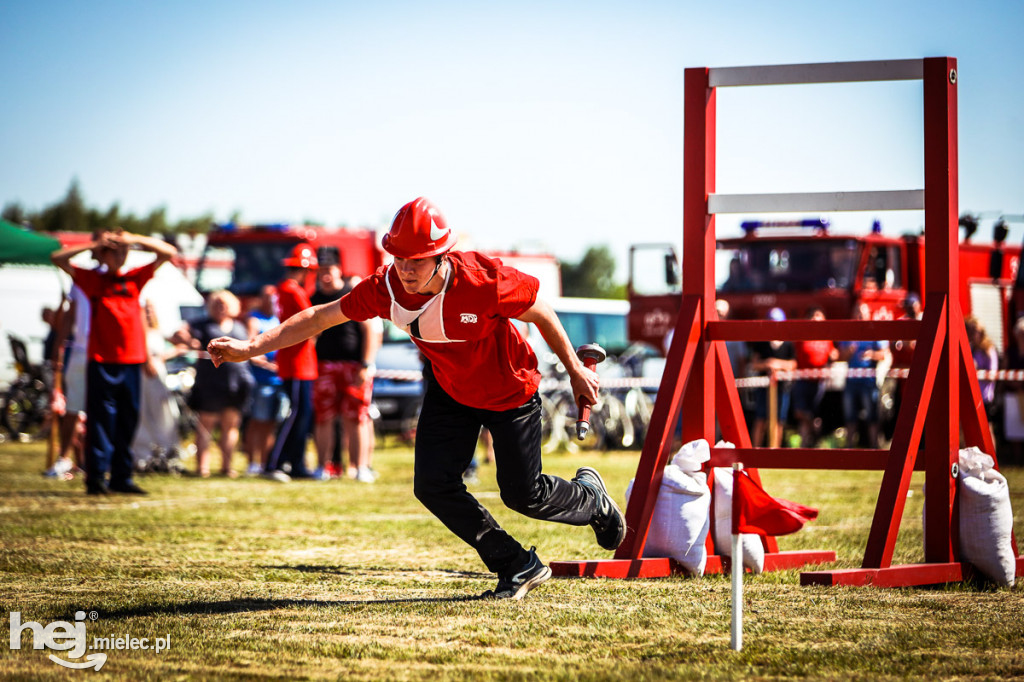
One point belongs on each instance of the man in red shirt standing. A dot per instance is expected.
(116, 353)
(479, 371)
(808, 392)
(296, 365)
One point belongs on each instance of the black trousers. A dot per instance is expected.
(446, 438)
(292, 434)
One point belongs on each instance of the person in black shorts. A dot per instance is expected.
(219, 393)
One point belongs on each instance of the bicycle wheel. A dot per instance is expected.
(552, 425)
(639, 406)
(613, 426)
(22, 411)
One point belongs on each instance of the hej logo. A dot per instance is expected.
(59, 635)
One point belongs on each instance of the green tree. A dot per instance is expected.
(14, 213)
(67, 215)
(593, 276)
(104, 220)
(200, 225)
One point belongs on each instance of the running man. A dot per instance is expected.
(458, 308)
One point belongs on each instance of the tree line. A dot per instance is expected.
(593, 276)
(70, 214)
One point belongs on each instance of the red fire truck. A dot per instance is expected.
(794, 265)
(244, 258)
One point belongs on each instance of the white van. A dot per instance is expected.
(586, 320)
(594, 320)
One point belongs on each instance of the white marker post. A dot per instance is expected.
(736, 631)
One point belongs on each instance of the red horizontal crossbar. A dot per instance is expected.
(658, 567)
(811, 330)
(906, 575)
(775, 561)
(853, 459)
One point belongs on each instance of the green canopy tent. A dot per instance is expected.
(18, 245)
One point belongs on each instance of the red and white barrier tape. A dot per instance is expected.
(398, 374)
(549, 384)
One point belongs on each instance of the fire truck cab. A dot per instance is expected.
(794, 265)
(242, 259)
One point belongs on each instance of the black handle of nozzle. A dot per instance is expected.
(590, 354)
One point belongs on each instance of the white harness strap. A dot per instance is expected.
(428, 319)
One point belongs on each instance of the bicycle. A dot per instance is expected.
(25, 405)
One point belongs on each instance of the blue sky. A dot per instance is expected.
(555, 125)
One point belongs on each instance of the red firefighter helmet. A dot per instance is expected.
(302, 256)
(418, 231)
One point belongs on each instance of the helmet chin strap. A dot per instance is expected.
(440, 260)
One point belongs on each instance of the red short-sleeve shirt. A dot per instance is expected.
(116, 333)
(298, 361)
(477, 354)
(812, 354)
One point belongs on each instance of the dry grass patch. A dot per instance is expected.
(253, 580)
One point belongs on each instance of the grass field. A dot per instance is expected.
(251, 579)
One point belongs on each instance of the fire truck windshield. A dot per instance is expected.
(242, 267)
(776, 266)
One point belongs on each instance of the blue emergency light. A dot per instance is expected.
(819, 224)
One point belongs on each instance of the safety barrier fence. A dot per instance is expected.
(742, 382)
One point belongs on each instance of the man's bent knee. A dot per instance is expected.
(526, 501)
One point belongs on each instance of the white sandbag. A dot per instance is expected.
(681, 516)
(692, 455)
(986, 519)
(753, 549)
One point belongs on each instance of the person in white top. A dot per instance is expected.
(75, 338)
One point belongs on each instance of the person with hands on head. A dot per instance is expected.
(116, 352)
(458, 309)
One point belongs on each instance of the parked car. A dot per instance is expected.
(398, 386)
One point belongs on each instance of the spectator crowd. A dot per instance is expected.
(848, 408)
(115, 411)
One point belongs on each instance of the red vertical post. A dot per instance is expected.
(699, 246)
(942, 276)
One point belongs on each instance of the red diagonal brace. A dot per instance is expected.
(903, 450)
(666, 413)
(974, 421)
(727, 401)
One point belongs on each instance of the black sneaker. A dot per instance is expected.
(97, 489)
(609, 524)
(127, 488)
(516, 585)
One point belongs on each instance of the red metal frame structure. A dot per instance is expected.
(941, 392)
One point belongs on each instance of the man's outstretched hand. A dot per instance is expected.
(227, 349)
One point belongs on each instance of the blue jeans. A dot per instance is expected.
(113, 392)
(860, 400)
